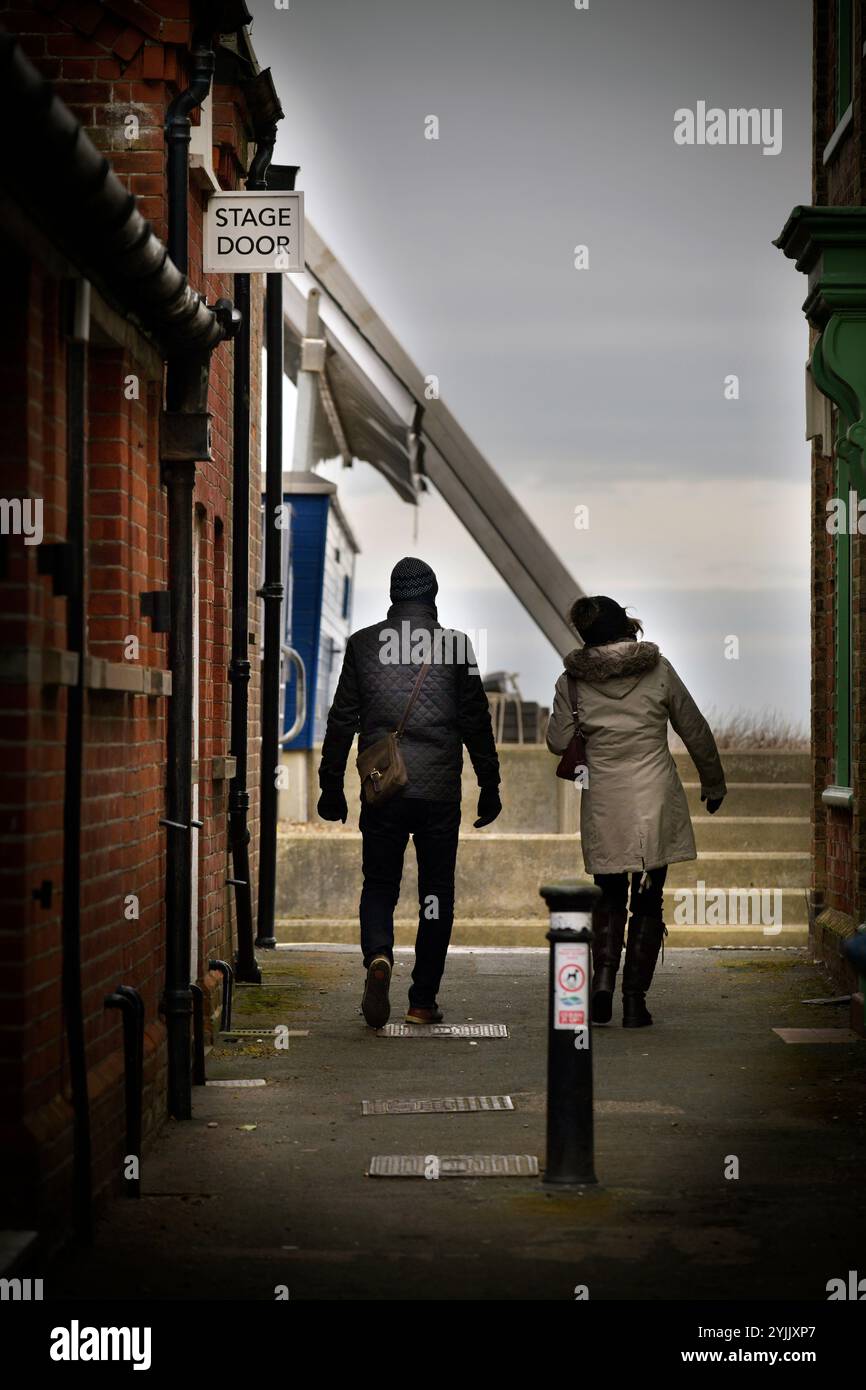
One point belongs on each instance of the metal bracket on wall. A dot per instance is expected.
(156, 605)
(44, 893)
(56, 558)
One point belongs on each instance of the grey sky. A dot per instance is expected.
(601, 387)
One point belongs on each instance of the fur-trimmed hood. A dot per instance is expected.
(615, 661)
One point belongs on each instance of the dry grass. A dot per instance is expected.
(745, 729)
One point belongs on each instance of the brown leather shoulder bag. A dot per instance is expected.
(575, 754)
(381, 767)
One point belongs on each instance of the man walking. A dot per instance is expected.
(382, 667)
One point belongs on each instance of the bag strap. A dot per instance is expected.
(421, 677)
(572, 695)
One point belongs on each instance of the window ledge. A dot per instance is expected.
(845, 123)
(842, 798)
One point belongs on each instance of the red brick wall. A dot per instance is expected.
(839, 835)
(107, 62)
(31, 776)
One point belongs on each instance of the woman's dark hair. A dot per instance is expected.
(599, 619)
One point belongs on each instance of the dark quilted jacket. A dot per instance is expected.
(450, 711)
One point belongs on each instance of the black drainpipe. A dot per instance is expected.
(184, 440)
(177, 134)
(272, 592)
(246, 965)
(239, 668)
(76, 391)
(64, 561)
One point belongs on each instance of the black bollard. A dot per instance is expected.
(570, 1156)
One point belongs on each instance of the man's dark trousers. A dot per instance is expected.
(385, 830)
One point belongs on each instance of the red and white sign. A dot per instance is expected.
(571, 985)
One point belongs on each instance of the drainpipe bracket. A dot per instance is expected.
(272, 590)
(185, 436)
(228, 317)
(239, 670)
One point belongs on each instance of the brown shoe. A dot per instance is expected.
(418, 1014)
(375, 1005)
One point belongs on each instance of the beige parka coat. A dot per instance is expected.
(633, 809)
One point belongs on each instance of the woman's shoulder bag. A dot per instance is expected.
(575, 754)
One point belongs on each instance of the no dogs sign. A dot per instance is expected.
(253, 233)
(571, 985)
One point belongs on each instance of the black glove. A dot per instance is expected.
(332, 806)
(489, 806)
(713, 804)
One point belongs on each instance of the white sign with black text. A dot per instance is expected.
(254, 232)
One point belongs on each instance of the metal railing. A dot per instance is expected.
(293, 658)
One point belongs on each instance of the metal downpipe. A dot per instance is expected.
(239, 668)
(272, 594)
(73, 1011)
(246, 966)
(186, 393)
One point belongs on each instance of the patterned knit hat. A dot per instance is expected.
(411, 579)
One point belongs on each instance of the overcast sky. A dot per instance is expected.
(602, 387)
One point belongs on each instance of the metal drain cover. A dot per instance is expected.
(443, 1030)
(816, 1035)
(244, 1082)
(263, 1033)
(440, 1105)
(454, 1166)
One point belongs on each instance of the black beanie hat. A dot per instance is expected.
(601, 619)
(412, 580)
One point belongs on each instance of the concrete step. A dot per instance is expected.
(535, 800)
(792, 799)
(530, 931)
(319, 872)
(762, 834)
(755, 765)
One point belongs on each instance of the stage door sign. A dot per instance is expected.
(254, 233)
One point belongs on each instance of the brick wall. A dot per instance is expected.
(109, 63)
(839, 835)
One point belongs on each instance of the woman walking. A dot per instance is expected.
(634, 818)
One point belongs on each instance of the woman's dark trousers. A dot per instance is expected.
(646, 932)
(385, 831)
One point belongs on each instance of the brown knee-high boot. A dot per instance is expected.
(608, 931)
(645, 938)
